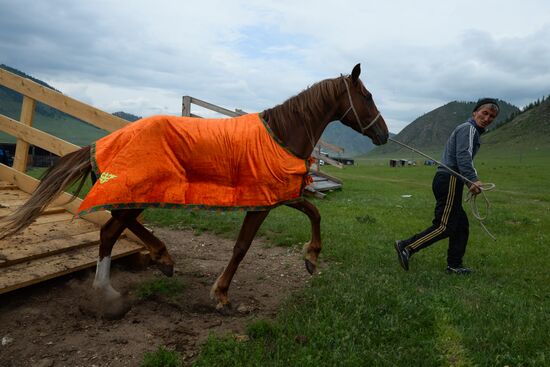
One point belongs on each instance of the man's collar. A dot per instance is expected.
(480, 130)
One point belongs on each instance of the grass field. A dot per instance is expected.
(364, 310)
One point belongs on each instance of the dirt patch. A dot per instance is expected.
(56, 323)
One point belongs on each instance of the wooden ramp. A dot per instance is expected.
(56, 244)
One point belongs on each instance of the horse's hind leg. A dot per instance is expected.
(250, 226)
(313, 248)
(157, 248)
(108, 235)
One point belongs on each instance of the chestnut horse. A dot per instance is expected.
(296, 124)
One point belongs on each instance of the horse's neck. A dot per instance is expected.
(299, 132)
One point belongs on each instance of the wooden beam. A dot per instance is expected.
(36, 137)
(331, 147)
(186, 106)
(213, 107)
(329, 177)
(327, 159)
(22, 147)
(83, 111)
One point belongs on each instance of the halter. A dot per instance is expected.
(351, 107)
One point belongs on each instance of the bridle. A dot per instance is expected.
(352, 108)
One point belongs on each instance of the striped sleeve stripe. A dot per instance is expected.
(471, 141)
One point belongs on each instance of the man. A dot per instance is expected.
(450, 219)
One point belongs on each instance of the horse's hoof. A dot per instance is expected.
(167, 270)
(116, 310)
(105, 305)
(225, 309)
(310, 267)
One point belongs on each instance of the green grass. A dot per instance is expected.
(162, 357)
(169, 288)
(365, 310)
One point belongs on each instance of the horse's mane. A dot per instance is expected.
(308, 104)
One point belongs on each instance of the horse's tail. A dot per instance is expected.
(68, 170)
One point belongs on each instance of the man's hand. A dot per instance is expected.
(475, 188)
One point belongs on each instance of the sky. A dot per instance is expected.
(141, 56)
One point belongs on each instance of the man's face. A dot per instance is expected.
(484, 116)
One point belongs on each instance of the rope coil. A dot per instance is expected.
(470, 197)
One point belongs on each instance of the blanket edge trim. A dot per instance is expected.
(190, 207)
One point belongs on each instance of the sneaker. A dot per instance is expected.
(403, 255)
(458, 270)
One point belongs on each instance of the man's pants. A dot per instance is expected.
(450, 220)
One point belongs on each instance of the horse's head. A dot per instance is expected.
(359, 111)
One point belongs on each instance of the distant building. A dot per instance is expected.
(344, 161)
(402, 162)
(38, 157)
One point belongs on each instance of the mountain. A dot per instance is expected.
(49, 119)
(126, 116)
(430, 131)
(527, 132)
(353, 142)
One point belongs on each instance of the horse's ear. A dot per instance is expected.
(355, 73)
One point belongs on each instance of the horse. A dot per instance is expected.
(293, 127)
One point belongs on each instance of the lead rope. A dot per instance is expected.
(470, 197)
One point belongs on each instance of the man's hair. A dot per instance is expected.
(487, 101)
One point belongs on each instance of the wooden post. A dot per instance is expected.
(319, 160)
(22, 147)
(186, 106)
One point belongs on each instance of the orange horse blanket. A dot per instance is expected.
(169, 161)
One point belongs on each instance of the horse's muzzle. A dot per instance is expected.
(381, 140)
(380, 134)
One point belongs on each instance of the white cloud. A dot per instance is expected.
(144, 56)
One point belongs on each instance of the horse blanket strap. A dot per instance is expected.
(170, 161)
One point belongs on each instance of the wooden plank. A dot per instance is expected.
(12, 202)
(22, 147)
(325, 185)
(12, 255)
(213, 107)
(6, 186)
(329, 177)
(29, 184)
(12, 195)
(54, 218)
(4, 212)
(49, 230)
(36, 137)
(331, 147)
(327, 159)
(39, 270)
(63, 103)
(186, 106)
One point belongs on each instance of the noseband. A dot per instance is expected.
(352, 108)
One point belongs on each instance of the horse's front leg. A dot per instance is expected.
(313, 248)
(251, 224)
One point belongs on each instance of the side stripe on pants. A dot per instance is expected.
(444, 219)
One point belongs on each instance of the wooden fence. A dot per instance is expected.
(56, 243)
(27, 135)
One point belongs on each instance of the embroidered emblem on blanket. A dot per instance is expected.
(105, 176)
(170, 161)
